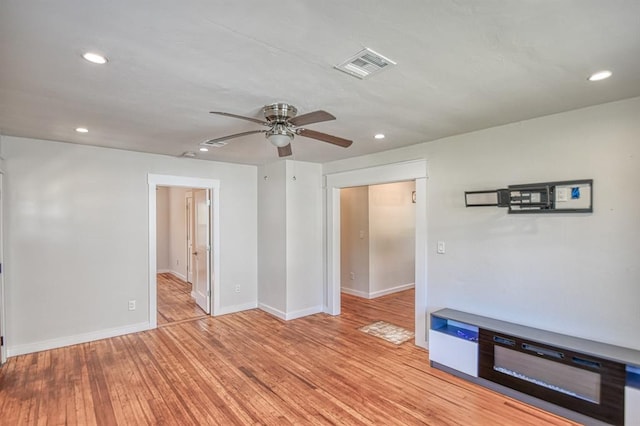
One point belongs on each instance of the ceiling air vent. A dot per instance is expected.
(365, 63)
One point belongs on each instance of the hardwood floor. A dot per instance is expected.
(174, 300)
(396, 308)
(250, 368)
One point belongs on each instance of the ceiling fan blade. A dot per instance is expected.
(311, 117)
(236, 135)
(284, 151)
(345, 143)
(228, 114)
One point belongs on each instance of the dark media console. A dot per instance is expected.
(590, 382)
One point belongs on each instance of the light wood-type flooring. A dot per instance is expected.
(250, 368)
(174, 300)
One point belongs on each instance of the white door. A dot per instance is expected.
(191, 261)
(202, 268)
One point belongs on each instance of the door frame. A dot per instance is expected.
(213, 185)
(188, 200)
(3, 322)
(388, 173)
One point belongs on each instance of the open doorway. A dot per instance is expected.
(191, 267)
(377, 252)
(415, 170)
(183, 239)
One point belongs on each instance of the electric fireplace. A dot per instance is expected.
(583, 383)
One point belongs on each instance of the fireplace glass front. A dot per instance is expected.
(563, 378)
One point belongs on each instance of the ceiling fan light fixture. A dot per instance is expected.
(279, 135)
(280, 140)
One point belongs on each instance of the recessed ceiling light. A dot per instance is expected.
(600, 75)
(379, 136)
(82, 130)
(204, 149)
(95, 58)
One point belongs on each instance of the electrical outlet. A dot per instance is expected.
(237, 289)
(132, 305)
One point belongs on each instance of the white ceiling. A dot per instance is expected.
(463, 65)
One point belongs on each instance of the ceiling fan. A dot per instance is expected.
(283, 124)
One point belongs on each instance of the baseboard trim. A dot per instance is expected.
(303, 312)
(224, 310)
(76, 339)
(391, 290)
(172, 272)
(290, 315)
(379, 293)
(353, 292)
(273, 311)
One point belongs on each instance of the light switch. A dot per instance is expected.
(361, 235)
(441, 247)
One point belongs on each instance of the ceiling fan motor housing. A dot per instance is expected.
(279, 112)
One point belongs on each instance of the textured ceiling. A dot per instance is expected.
(462, 66)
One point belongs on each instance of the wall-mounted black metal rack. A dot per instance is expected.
(571, 196)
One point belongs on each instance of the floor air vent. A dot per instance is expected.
(365, 63)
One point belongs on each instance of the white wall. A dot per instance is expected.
(272, 241)
(290, 238)
(392, 218)
(178, 231)
(576, 274)
(377, 233)
(304, 238)
(354, 240)
(171, 230)
(162, 229)
(77, 224)
(3, 348)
